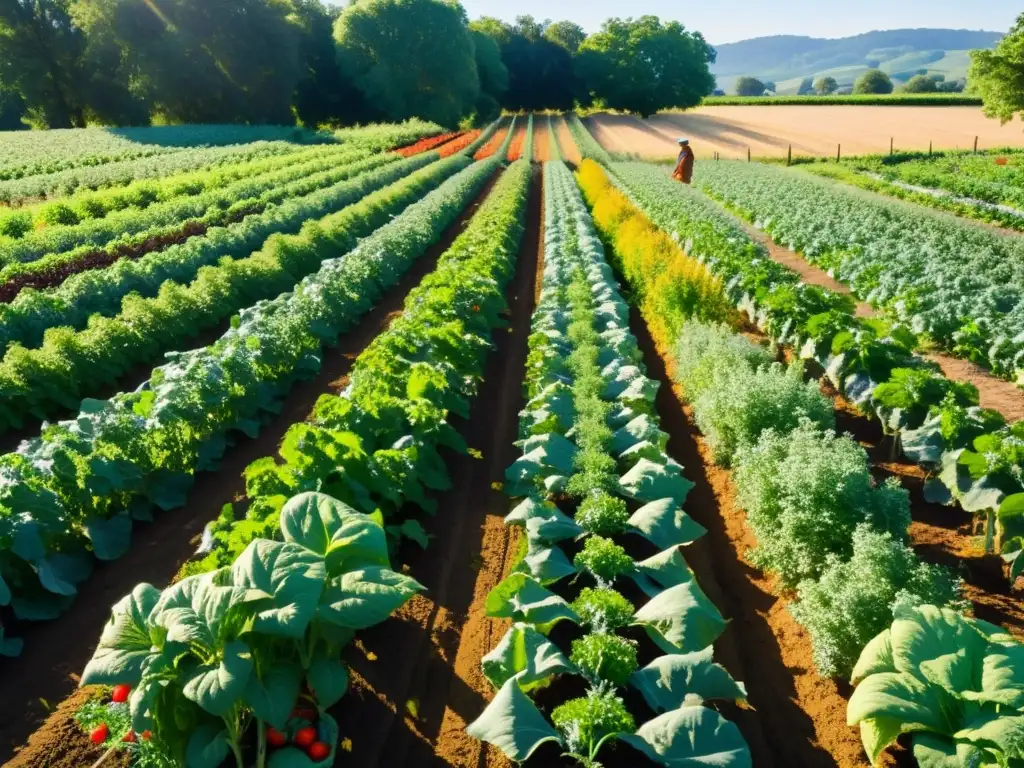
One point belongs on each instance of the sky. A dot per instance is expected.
(726, 21)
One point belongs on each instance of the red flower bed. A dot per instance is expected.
(425, 145)
(491, 146)
(459, 144)
(515, 150)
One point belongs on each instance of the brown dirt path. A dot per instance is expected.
(570, 152)
(797, 718)
(541, 139)
(416, 678)
(995, 393)
(54, 655)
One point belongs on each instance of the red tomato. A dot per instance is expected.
(305, 736)
(147, 735)
(120, 695)
(99, 734)
(129, 737)
(318, 751)
(275, 738)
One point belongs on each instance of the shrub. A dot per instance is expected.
(603, 559)
(15, 224)
(706, 354)
(854, 600)
(805, 493)
(603, 610)
(873, 81)
(749, 86)
(604, 657)
(603, 514)
(826, 85)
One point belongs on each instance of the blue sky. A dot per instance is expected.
(725, 21)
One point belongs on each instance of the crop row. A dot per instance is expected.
(384, 136)
(973, 455)
(262, 187)
(76, 490)
(587, 145)
(377, 445)
(954, 282)
(95, 204)
(594, 477)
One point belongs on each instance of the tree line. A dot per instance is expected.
(71, 63)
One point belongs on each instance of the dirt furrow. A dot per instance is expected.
(53, 655)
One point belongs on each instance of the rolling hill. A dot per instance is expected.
(787, 59)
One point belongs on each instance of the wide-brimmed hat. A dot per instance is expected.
(682, 141)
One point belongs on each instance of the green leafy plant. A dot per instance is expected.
(603, 610)
(603, 559)
(602, 514)
(587, 723)
(604, 657)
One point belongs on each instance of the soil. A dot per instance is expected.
(542, 139)
(416, 679)
(995, 393)
(493, 144)
(566, 142)
(53, 655)
(810, 130)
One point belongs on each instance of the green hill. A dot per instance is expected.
(787, 59)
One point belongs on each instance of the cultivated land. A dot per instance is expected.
(812, 130)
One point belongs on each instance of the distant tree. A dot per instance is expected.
(494, 28)
(873, 81)
(921, 84)
(566, 34)
(40, 50)
(12, 111)
(410, 58)
(806, 87)
(769, 85)
(749, 86)
(718, 92)
(825, 86)
(493, 77)
(643, 65)
(323, 95)
(528, 27)
(998, 75)
(952, 86)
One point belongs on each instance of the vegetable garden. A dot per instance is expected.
(401, 447)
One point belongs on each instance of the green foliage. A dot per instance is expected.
(805, 492)
(603, 610)
(587, 722)
(644, 65)
(493, 77)
(145, 753)
(605, 657)
(921, 84)
(873, 81)
(603, 514)
(410, 58)
(998, 75)
(603, 559)
(825, 86)
(749, 86)
(567, 34)
(855, 599)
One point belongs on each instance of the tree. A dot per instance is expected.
(496, 29)
(195, 61)
(644, 65)
(528, 27)
(825, 86)
(323, 95)
(921, 84)
(566, 34)
(749, 86)
(769, 85)
(40, 50)
(493, 76)
(998, 75)
(806, 87)
(410, 58)
(12, 111)
(873, 81)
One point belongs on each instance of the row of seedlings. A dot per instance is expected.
(612, 636)
(74, 493)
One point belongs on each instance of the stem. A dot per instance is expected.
(990, 531)
(104, 757)
(261, 741)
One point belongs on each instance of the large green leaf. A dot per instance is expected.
(347, 538)
(935, 751)
(513, 724)
(328, 680)
(272, 695)
(111, 537)
(1002, 677)
(366, 597)
(1003, 731)
(877, 733)
(216, 686)
(876, 657)
(668, 680)
(681, 619)
(198, 611)
(208, 747)
(897, 696)
(552, 528)
(661, 571)
(547, 563)
(1011, 516)
(126, 642)
(650, 481)
(520, 598)
(691, 737)
(526, 653)
(285, 581)
(939, 645)
(665, 524)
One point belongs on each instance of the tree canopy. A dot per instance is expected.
(825, 86)
(644, 65)
(921, 84)
(998, 75)
(873, 81)
(749, 86)
(410, 58)
(567, 34)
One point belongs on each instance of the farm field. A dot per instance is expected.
(398, 446)
(812, 130)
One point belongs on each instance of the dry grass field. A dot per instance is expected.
(812, 130)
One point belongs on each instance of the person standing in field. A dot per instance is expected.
(684, 164)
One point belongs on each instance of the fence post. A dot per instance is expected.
(748, 154)
(891, 141)
(929, 149)
(789, 156)
(839, 150)
(975, 145)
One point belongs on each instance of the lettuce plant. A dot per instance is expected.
(603, 610)
(604, 657)
(603, 559)
(603, 514)
(587, 723)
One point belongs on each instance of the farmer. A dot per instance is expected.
(684, 164)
